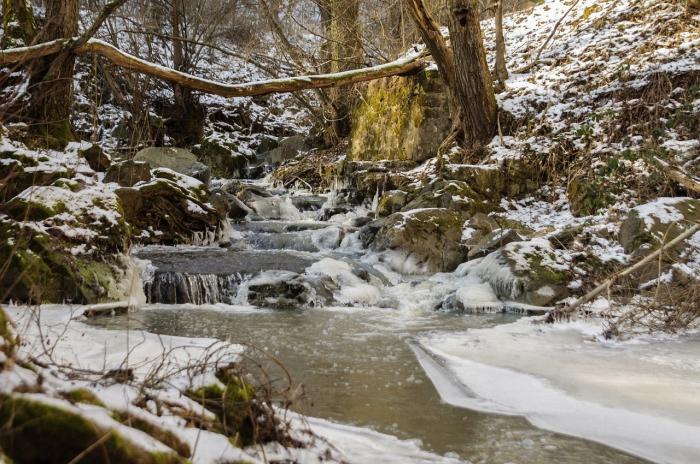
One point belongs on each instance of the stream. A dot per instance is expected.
(349, 341)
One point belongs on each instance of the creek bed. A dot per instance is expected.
(357, 368)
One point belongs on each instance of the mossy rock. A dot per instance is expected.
(41, 269)
(96, 158)
(128, 173)
(392, 202)
(542, 280)
(223, 159)
(400, 118)
(64, 434)
(429, 238)
(454, 195)
(179, 213)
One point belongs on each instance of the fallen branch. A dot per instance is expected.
(409, 64)
(568, 310)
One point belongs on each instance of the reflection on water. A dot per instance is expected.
(357, 368)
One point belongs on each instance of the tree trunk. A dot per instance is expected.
(18, 23)
(474, 88)
(186, 122)
(345, 53)
(51, 82)
(501, 69)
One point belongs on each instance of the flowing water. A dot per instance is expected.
(356, 364)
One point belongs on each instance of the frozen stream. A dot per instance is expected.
(371, 351)
(358, 368)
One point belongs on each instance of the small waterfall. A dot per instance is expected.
(375, 201)
(182, 288)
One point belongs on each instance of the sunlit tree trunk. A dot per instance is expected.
(474, 88)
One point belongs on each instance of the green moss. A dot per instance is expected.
(387, 124)
(233, 405)
(82, 395)
(63, 435)
(223, 159)
(543, 274)
(164, 436)
(6, 333)
(58, 134)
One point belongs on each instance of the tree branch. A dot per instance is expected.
(406, 65)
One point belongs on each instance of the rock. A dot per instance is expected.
(287, 290)
(392, 202)
(174, 209)
(130, 199)
(289, 148)
(309, 202)
(660, 220)
(66, 431)
(511, 178)
(267, 143)
(327, 213)
(97, 159)
(483, 222)
(229, 206)
(430, 239)
(223, 159)
(529, 271)
(400, 118)
(128, 173)
(177, 159)
(493, 241)
(454, 195)
(74, 253)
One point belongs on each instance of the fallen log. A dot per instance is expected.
(405, 65)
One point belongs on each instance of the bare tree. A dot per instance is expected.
(18, 23)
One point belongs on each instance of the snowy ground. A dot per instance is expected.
(55, 335)
(639, 396)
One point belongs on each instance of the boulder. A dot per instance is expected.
(223, 159)
(289, 148)
(128, 173)
(177, 159)
(428, 239)
(288, 290)
(72, 253)
(528, 271)
(96, 158)
(173, 210)
(491, 242)
(400, 118)
(660, 220)
(452, 194)
(392, 202)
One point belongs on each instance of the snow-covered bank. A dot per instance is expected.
(639, 396)
(72, 357)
